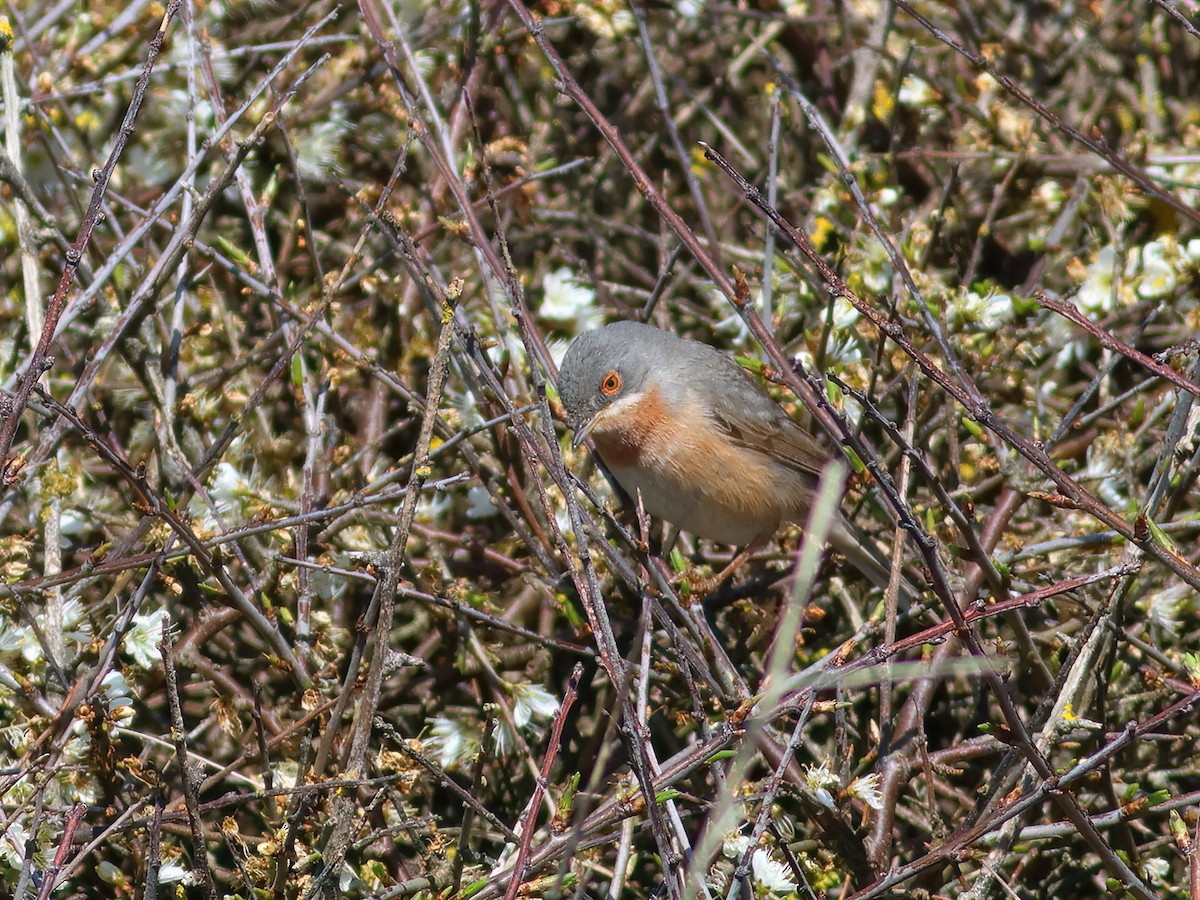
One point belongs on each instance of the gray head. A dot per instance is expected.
(618, 362)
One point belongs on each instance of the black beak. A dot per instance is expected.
(582, 430)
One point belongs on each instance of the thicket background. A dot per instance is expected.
(297, 406)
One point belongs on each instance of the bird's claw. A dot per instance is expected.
(689, 585)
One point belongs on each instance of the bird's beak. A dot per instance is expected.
(582, 431)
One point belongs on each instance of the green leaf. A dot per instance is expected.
(233, 252)
(1191, 662)
(474, 887)
(856, 462)
(1179, 829)
(1160, 537)
(567, 800)
(752, 363)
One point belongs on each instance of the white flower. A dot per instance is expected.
(1096, 293)
(11, 637)
(1105, 466)
(866, 789)
(503, 738)
(1191, 252)
(507, 348)
(916, 92)
(999, 310)
(770, 873)
(284, 774)
(603, 18)
(141, 641)
(75, 626)
(1158, 274)
(733, 325)
(12, 845)
(169, 873)
(228, 487)
(347, 878)
(735, 844)
(72, 522)
(468, 409)
(689, 9)
(989, 312)
(804, 360)
(479, 503)
(565, 299)
(427, 61)
(562, 516)
(1156, 869)
(844, 315)
(532, 702)
(845, 350)
(558, 349)
(875, 266)
(1049, 194)
(118, 697)
(433, 506)
(766, 871)
(15, 637)
(452, 742)
(79, 743)
(817, 782)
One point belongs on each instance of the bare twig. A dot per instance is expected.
(527, 829)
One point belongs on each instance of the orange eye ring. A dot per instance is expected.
(610, 383)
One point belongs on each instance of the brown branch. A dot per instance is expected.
(186, 775)
(1072, 313)
(535, 801)
(70, 826)
(1097, 145)
(40, 362)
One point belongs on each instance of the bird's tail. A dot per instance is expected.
(867, 558)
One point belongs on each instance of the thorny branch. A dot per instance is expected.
(346, 509)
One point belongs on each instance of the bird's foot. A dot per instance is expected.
(710, 583)
(689, 585)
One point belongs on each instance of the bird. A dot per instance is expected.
(697, 438)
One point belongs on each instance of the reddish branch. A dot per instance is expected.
(41, 361)
(535, 802)
(1070, 311)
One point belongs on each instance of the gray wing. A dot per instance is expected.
(746, 412)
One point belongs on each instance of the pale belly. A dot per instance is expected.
(718, 505)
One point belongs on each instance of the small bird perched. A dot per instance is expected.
(695, 435)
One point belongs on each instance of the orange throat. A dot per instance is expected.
(625, 430)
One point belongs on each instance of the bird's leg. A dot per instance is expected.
(669, 543)
(710, 584)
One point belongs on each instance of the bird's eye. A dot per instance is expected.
(610, 383)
